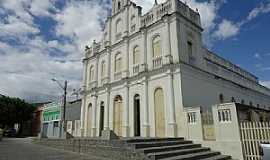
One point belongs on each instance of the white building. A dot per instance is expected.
(147, 68)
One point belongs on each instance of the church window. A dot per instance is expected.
(91, 73)
(103, 69)
(156, 47)
(136, 55)
(118, 62)
(119, 5)
(133, 24)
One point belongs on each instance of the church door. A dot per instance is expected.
(101, 119)
(159, 112)
(137, 122)
(118, 114)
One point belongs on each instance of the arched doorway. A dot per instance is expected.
(159, 112)
(89, 119)
(101, 118)
(137, 118)
(118, 115)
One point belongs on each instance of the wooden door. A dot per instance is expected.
(118, 114)
(159, 113)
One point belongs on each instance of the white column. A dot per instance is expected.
(94, 109)
(144, 44)
(83, 129)
(168, 56)
(172, 121)
(146, 125)
(126, 119)
(107, 110)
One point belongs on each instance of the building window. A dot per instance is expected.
(250, 103)
(91, 73)
(224, 115)
(118, 63)
(156, 47)
(221, 98)
(119, 5)
(133, 24)
(103, 69)
(118, 29)
(136, 55)
(192, 117)
(242, 101)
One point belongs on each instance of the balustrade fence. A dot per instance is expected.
(252, 135)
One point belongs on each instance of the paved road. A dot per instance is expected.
(23, 149)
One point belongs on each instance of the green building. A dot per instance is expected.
(51, 120)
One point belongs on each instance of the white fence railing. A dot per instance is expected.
(252, 134)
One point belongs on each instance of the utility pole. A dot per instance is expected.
(63, 110)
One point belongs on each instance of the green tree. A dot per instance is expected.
(14, 110)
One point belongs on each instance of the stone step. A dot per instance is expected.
(140, 145)
(137, 140)
(174, 153)
(169, 148)
(194, 156)
(218, 157)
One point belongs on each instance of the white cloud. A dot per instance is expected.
(263, 8)
(265, 83)
(80, 21)
(226, 29)
(42, 8)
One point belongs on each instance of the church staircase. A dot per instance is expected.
(173, 149)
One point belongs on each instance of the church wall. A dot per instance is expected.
(196, 83)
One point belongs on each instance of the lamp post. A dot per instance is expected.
(63, 118)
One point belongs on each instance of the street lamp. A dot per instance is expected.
(64, 104)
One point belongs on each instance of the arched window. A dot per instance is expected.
(119, 5)
(221, 98)
(136, 55)
(103, 69)
(92, 72)
(133, 23)
(118, 26)
(118, 62)
(156, 46)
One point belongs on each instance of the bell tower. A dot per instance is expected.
(117, 5)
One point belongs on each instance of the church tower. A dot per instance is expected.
(117, 5)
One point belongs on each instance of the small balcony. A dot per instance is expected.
(157, 62)
(136, 69)
(117, 76)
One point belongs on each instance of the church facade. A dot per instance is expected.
(148, 67)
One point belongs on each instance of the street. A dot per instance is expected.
(24, 149)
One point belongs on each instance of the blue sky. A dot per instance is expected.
(40, 40)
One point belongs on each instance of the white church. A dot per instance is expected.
(149, 67)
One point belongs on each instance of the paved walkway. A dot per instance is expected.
(23, 149)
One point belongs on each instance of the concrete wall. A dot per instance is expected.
(226, 131)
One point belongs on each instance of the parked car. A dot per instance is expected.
(10, 132)
(265, 151)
